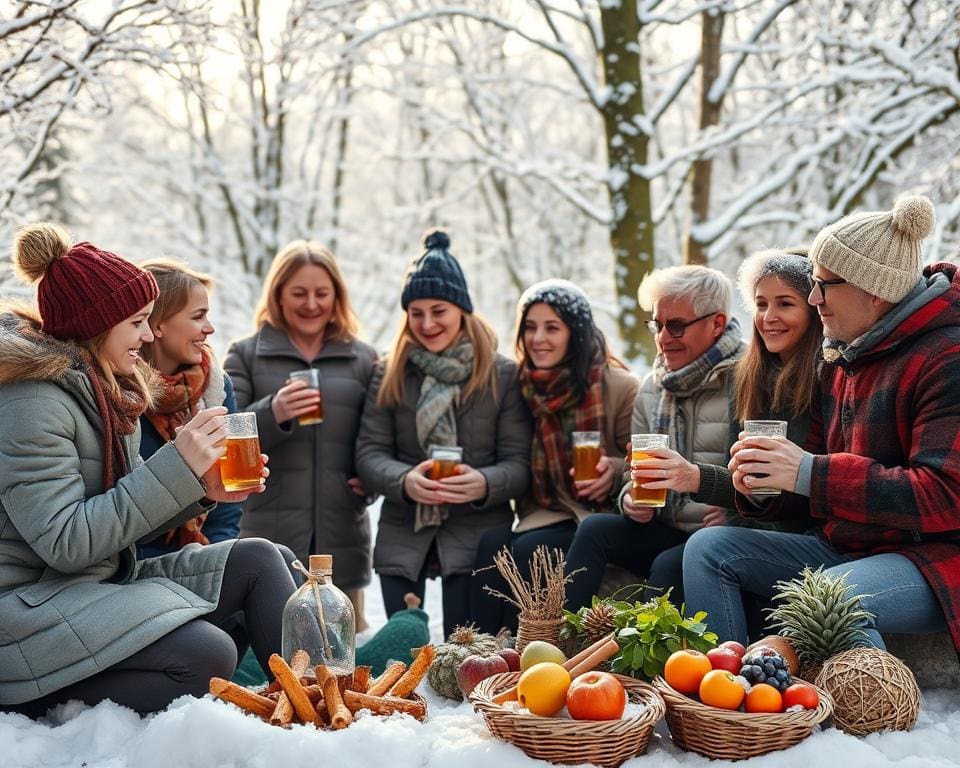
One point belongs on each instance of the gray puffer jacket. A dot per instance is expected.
(73, 598)
(308, 504)
(494, 432)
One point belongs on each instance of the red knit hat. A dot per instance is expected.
(87, 291)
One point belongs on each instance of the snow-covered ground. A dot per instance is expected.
(202, 733)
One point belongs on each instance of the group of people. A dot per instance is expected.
(128, 572)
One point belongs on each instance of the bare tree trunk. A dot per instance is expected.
(631, 228)
(711, 37)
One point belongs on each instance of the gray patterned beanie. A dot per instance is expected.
(878, 251)
(790, 265)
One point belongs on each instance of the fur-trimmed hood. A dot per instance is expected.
(29, 354)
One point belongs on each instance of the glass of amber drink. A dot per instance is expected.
(640, 447)
(586, 454)
(312, 378)
(240, 465)
(764, 428)
(445, 460)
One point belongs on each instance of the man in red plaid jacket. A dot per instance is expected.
(880, 472)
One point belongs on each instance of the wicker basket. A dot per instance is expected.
(537, 629)
(723, 734)
(605, 743)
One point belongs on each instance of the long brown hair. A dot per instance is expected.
(482, 379)
(793, 382)
(345, 325)
(143, 374)
(175, 281)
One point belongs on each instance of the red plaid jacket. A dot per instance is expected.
(886, 445)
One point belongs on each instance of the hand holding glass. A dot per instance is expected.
(311, 376)
(240, 465)
(640, 445)
(764, 428)
(586, 455)
(445, 460)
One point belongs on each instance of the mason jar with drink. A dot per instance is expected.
(311, 377)
(240, 465)
(641, 445)
(586, 455)
(445, 460)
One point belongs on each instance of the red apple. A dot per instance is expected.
(475, 668)
(724, 658)
(733, 645)
(596, 696)
(512, 658)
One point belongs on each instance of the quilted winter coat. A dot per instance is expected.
(73, 598)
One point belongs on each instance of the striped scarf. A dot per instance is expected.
(550, 397)
(443, 377)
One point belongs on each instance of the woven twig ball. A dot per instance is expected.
(872, 691)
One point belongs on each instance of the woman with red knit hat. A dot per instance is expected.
(80, 618)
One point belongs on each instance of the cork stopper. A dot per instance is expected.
(321, 562)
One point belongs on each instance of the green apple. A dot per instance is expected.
(537, 651)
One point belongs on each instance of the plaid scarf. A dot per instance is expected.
(443, 377)
(120, 412)
(550, 397)
(178, 402)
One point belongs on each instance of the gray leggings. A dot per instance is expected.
(256, 582)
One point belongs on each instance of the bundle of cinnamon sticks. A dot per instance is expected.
(329, 700)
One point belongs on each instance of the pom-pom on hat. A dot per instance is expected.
(790, 265)
(82, 290)
(878, 251)
(566, 299)
(436, 275)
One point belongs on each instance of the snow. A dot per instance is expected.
(203, 733)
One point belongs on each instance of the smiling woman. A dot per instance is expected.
(305, 321)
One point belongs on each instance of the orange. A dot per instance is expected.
(543, 688)
(685, 669)
(764, 698)
(720, 688)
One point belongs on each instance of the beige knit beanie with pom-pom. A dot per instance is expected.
(878, 251)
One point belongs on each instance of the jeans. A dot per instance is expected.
(721, 564)
(651, 550)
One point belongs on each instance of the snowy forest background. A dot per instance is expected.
(588, 139)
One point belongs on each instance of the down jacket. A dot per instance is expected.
(73, 598)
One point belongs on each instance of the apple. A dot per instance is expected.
(538, 651)
(596, 696)
(475, 668)
(512, 658)
(733, 645)
(724, 658)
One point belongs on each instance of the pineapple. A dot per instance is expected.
(817, 615)
(463, 642)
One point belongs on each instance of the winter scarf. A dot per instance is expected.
(178, 401)
(689, 379)
(120, 411)
(443, 377)
(550, 397)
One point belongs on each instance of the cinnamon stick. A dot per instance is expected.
(593, 655)
(390, 675)
(361, 679)
(384, 705)
(340, 715)
(244, 698)
(290, 680)
(414, 674)
(283, 712)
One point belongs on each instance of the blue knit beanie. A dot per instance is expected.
(436, 275)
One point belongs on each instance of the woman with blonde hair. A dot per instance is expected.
(443, 384)
(190, 379)
(82, 618)
(316, 503)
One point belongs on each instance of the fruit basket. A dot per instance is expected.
(605, 743)
(724, 734)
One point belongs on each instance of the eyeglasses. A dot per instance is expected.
(676, 328)
(822, 285)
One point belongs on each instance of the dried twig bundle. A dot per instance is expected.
(542, 597)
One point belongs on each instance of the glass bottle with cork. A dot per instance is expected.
(319, 618)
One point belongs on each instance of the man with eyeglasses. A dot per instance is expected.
(687, 396)
(880, 473)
